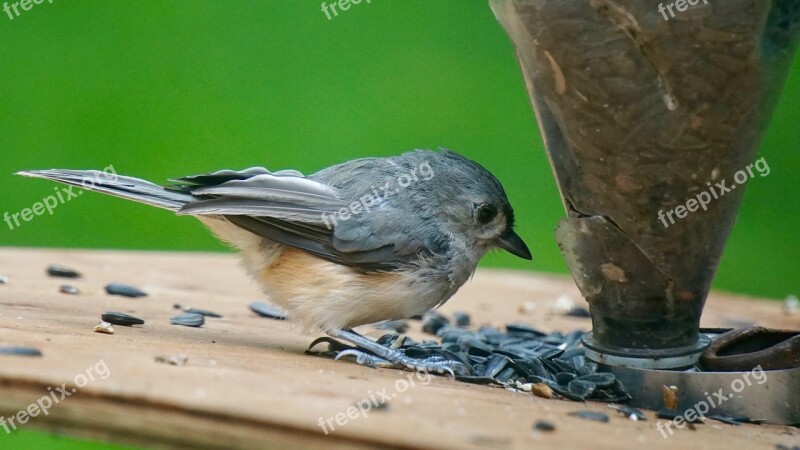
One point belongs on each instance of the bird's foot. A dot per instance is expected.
(372, 354)
(365, 359)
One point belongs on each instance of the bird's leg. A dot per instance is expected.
(382, 356)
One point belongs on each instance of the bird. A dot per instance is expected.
(363, 241)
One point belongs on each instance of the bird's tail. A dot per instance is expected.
(119, 186)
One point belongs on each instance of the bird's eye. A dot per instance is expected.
(486, 213)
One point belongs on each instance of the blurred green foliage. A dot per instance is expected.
(163, 89)
(32, 440)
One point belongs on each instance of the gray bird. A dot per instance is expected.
(360, 242)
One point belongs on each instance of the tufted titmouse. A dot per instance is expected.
(360, 242)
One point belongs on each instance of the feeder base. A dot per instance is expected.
(672, 358)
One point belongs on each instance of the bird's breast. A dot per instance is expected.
(329, 296)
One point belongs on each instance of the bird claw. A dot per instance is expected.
(432, 364)
(373, 354)
(365, 359)
(400, 361)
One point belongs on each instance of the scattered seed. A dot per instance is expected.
(579, 311)
(121, 319)
(461, 319)
(268, 311)
(630, 412)
(736, 420)
(104, 327)
(590, 415)
(378, 405)
(69, 290)
(476, 379)
(3, 279)
(543, 425)
(177, 306)
(20, 351)
(188, 320)
(527, 308)
(542, 390)
(173, 360)
(124, 290)
(203, 312)
(670, 394)
(54, 270)
(563, 304)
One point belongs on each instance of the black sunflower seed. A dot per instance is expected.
(495, 365)
(399, 326)
(3, 279)
(476, 379)
(124, 290)
(543, 425)
(563, 378)
(20, 351)
(188, 320)
(203, 312)
(54, 270)
(581, 388)
(578, 311)
(508, 374)
(432, 321)
(387, 339)
(70, 290)
(590, 415)
(461, 319)
(380, 405)
(268, 311)
(735, 420)
(601, 379)
(523, 329)
(123, 319)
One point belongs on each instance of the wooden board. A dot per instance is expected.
(248, 383)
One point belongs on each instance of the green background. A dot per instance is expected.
(163, 89)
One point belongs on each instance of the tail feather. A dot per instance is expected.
(119, 186)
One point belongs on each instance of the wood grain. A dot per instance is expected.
(248, 384)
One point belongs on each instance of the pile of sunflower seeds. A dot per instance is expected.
(512, 358)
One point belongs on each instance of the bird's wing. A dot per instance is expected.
(289, 208)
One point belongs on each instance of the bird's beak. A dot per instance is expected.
(512, 243)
